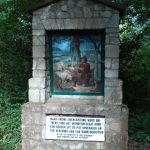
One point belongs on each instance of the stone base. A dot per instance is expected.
(33, 125)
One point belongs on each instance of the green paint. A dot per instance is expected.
(92, 32)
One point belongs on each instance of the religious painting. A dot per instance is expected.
(77, 63)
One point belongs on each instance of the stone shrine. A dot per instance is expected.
(75, 95)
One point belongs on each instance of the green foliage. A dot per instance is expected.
(135, 70)
(15, 68)
(139, 122)
(15, 51)
(10, 128)
(135, 51)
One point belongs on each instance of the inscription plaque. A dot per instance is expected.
(75, 128)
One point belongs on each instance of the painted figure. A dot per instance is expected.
(82, 74)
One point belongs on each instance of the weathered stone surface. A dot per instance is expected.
(37, 83)
(43, 95)
(107, 39)
(113, 95)
(115, 63)
(71, 3)
(30, 144)
(108, 63)
(114, 40)
(76, 12)
(81, 23)
(39, 64)
(112, 30)
(90, 146)
(33, 132)
(31, 118)
(113, 141)
(85, 110)
(124, 141)
(68, 24)
(64, 8)
(36, 23)
(38, 51)
(111, 73)
(39, 73)
(47, 147)
(99, 110)
(87, 12)
(113, 125)
(74, 23)
(33, 107)
(46, 23)
(56, 109)
(112, 51)
(89, 23)
(38, 32)
(76, 145)
(62, 14)
(114, 21)
(39, 40)
(100, 146)
(63, 144)
(111, 82)
(106, 14)
(82, 3)
(68, 109)
(34, 95)
(99, 7)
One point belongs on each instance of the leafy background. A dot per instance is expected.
(16, 59)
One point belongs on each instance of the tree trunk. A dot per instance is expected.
(96, 73)
(75, 50)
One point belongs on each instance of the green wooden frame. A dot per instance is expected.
(70, 32)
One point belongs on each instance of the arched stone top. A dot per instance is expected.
(49, 2)
(71, 14)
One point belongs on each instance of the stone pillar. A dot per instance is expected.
(37, 84)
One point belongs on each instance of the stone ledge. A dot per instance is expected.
(107, 110)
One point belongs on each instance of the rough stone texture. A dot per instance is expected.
(108, 63)
(38, 51)
(34, 95)
(39, 73)
(39, 40)
(111, 73)
(39, 64)
(82, 15)
(116, 126)
(38, 32)
(36, 23)
(50, 16)
(114, 21)
(37, 83)
(112, 51)
(114, 95)
(115, 63)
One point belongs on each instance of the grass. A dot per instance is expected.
(10, 128)
(139, 127)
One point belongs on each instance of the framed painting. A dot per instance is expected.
(77, 62)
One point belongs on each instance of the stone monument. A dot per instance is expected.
(75, 95)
